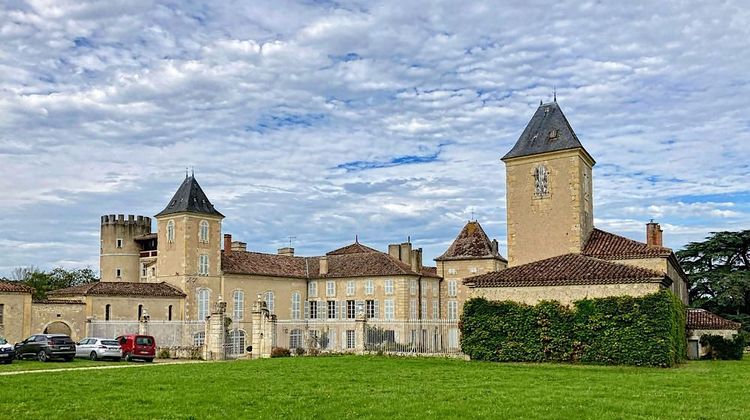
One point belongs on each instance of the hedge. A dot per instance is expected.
(625, 330)
(720, 348)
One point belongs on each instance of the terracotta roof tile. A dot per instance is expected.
(60, 302)
(564, 270)
(701, 319)
(243, 262)
(609, 246)
(120, 288)
(354, 248)
(7, 286)
(470, 243)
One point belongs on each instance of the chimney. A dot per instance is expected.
(394, 250)
(323, 265)
(416, 260)
(239, 246)
(404, 254)
(495, 247)
(287, 250)
(653, 234)
(227, 244)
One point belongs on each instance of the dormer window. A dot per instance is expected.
(553, 134)
(541, 182)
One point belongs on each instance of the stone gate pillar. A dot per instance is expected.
(263, 330)
(143, 323)
(360, 332)
(213, 348)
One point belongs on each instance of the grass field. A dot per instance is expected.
(29, 364)
(379, 387)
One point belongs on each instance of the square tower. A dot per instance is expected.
(548, 190)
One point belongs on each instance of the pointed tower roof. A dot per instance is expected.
(471, 243)
(548, 131)
(190, 198)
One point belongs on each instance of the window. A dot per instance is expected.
(199, 339)
(452, 271)
(169, 313)
(369, 287)
(296, 305)
(388, 308)
(473, 270)
(412, 287)
(237, 341)
(350, 339)
(107, 312)
(118, 242)
(295, 339)
(203, 296)
(203, 232)
(370, 309)
(330, 288)
(452, 309)
(331, 309)
(203, 264)
(350, 309)
(423, 290)
(541, 178)
(269, 298)
(313, 309)
(144, 271)
(118, 272)
(351, 288)
(140, 312)
(389, 287)
(435, 289)
(412, 309)
(435, 309)
(238, 297)
(452, 288)
(170, 231)
(312, 289)
(424, 308)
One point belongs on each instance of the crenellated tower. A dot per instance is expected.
(119, 255)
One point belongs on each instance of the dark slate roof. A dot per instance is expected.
(190, 198)
(565, 270)
(471, 243)
(7, 286)
(701, 319)
(548, 131)
(354, 248)
(120, 288)
(608, 246)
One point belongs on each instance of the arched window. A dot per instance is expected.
(199, 338)
(237, 341)
(169, 313)
(296, 302)
(203, 232)
(140, 312)
(268, 297)
(239, 304)
(107, 312)
(203, 297)
(170, 231)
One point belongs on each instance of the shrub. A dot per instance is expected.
(647, 331)
(163, 353)
(280, 352)
(299, 351)
(720, 348)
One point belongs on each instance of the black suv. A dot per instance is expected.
(47, 346)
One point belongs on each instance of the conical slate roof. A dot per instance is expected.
(190, 198)
(471, 243)
(548, 131)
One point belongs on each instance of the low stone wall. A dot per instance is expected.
(186, 352)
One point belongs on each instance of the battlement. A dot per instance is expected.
(119, 219)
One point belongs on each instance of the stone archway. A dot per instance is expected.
(58, 327)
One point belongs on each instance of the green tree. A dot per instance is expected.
(719, 273)
(58, 278)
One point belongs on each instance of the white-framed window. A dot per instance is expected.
(369, 287)
(239, 305)
(203, 231)
(370, 309)
(351, 288)
(435, 289)
(269, 298)
(330, 288)
(203, 297)
(313, 305)
(389, 287)
(203, 264)
(118, 242)
(312, 289)
(452, 288)
(473, 270)
(413, 287)
(296, 304)
(424, 290)
(412, 309)
(199, 339)
(350, 339)
(170, 231)
(331, 309)
(452, 309)
(295, 338)
(144, 271)
(424, 308)
(351, 309)
(388, 309)
(237, 341)
(435, 309)
(452, 271)
(118, 272)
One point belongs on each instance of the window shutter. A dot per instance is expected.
(307, 310)
(357, 305)
(343, 339)
(376, 304)
(342, 312)
(321, 310)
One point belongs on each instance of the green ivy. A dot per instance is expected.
(644, 331)
(724, 348)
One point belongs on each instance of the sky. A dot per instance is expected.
(321, 120)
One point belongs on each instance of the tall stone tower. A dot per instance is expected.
(119, 252)
(548, 189)
(189, 247)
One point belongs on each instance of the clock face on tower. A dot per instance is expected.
(541, 181)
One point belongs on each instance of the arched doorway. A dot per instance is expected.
(57, 327)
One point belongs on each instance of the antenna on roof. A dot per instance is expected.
(291, 238)
(554, 93)
(186, 172)
(472, 215)
(356, 238)
(408, 239)
(192, 171)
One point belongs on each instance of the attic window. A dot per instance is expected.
(553, 134)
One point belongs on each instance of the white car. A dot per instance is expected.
(7, 353)
(99, 348)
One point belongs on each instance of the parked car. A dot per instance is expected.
(47, 346)
(136, 346)
(7, 353)
(99, 348)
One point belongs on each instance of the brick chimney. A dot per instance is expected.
(416, 260)
(287, 250)
(324, 265)
(227, 244)
(653, 234)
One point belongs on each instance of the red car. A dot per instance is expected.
(136, 346)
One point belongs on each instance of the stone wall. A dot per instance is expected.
(16, 324)
(563, 294)
(664, 265)
(126, 307)
(463, 269)
(72, 316)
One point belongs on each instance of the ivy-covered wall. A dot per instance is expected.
(643, 331)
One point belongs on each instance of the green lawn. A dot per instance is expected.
(32, 364)
(379, 387)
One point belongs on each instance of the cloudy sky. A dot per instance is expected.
(322, 120)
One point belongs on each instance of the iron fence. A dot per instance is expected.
(166, 333)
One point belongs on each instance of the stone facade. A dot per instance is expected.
(16, 316)
(119, 257)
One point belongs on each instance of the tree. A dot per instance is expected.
(719, 273)
(58, 278)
